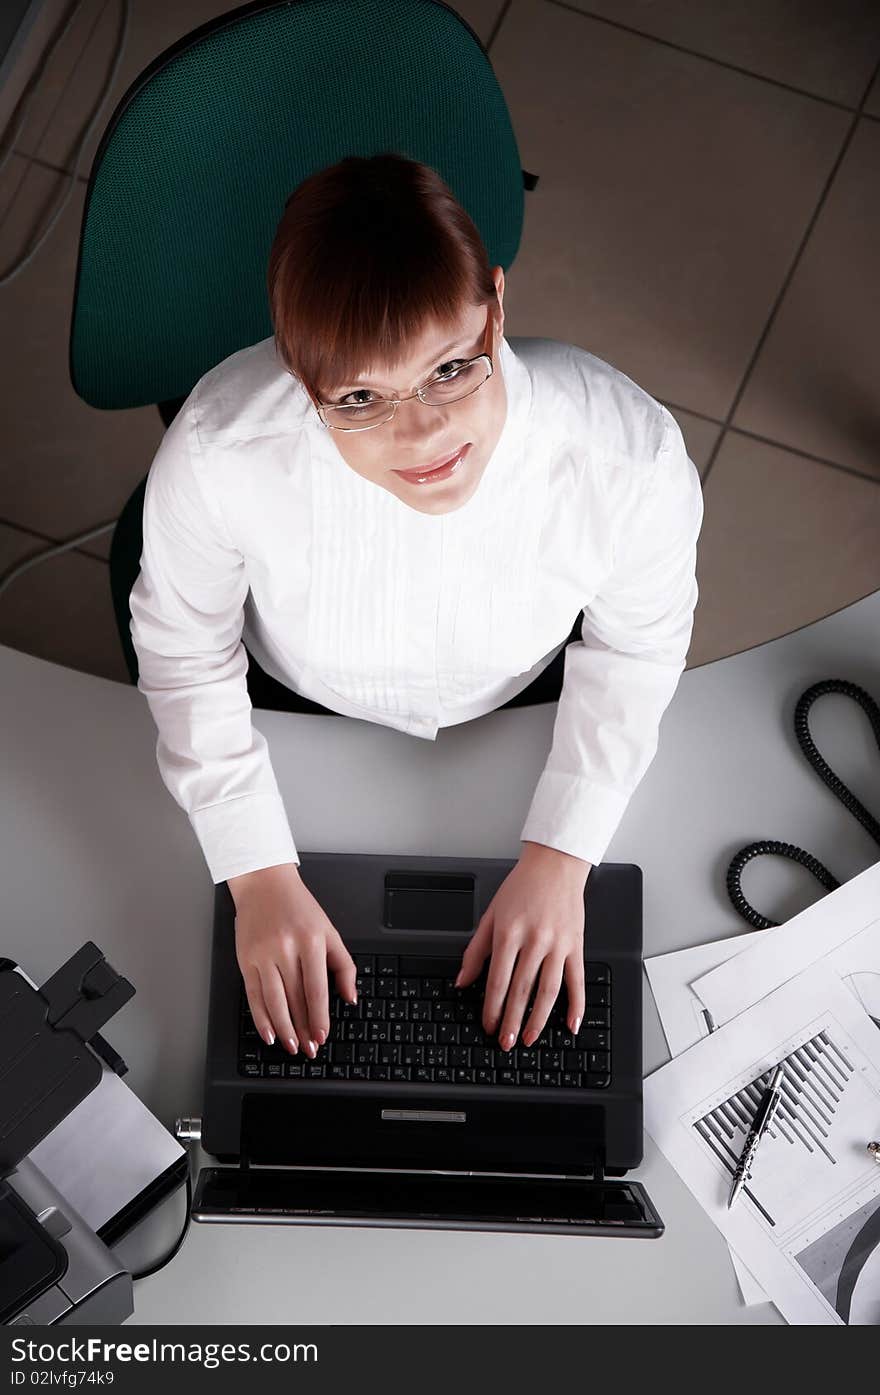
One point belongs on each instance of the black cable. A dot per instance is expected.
(834, 783)
(160, 1264)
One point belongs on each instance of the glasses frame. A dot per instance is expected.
(488, 346)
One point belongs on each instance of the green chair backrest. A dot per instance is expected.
(193, 171)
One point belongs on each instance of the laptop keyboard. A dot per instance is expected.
(411, 1024)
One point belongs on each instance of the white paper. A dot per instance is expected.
(824, 929)
(814, 1187)
(682, 1011)
(684, 1021)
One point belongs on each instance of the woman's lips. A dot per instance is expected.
(441, 471)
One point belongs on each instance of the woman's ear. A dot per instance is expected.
(498, 278)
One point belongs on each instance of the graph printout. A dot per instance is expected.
(807, 1225)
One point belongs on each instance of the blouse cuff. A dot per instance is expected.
(575, 815)
(244, 834)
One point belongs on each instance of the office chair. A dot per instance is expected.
(192, 173)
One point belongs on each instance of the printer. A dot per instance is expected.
(55, 1268)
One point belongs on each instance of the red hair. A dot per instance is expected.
(367, 253)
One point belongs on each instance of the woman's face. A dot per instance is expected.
(419, 436)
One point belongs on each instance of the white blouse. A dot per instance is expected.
(256, 530)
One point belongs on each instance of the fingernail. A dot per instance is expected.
(353, 1000)
(457, 983)
(322, 1037)
(507, 1040)
(313, 1050)
(269, 1037)
(577, 1023)
(293, 1044)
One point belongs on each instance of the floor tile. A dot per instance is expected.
(66, 467)
(71, 89)
(814, 386)
(872, 103)
(61, 609)
(826, 49)
(784, 542)
(669, 205)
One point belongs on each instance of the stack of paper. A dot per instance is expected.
(805, 1232)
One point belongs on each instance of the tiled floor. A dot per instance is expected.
(706, 219)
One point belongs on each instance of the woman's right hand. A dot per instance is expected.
(284, 944)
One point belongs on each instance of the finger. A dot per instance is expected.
(313, 966)
(479, 947)
(524, 976)
(574, 984)
(501, 968)
(297, 996)
(275, 997)
(259, 1011)
(343, 969)
(548, 992)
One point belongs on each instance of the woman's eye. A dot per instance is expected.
(360, 394)
(447, 370)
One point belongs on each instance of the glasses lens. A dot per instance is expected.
(460, 382)
(357, 415)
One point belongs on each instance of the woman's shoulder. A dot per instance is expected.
(589, 395)
(250, 393)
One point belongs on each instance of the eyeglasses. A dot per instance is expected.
(465, 377)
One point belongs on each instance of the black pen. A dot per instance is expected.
(760, 1124)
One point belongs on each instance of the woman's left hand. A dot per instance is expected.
(535, 921)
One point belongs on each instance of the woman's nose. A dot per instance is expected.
(419, 428)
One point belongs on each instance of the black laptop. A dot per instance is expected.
(410, 1115)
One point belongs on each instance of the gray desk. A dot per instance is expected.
(93, 847)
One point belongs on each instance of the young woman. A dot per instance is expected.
(386, 511)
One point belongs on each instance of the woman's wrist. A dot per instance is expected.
(242, 884)
(554, 857)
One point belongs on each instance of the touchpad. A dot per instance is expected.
(429, 901)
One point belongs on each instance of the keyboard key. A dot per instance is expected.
(364, 963)
(485, 1077)
(423, 1075)
(424, 1032)
(596, 1017)
(464, 1075)
(594, 1081)
(386, 988)
(459, 1055)
(597, 1062)
(598, 995)
(443, 1075)
(374, 1009)
(411, 988)
(508, 1076)
(443, 1011)
(595, 1040)
(550, 1077)
(447, 1033)
(387, 964)
(597, 973)
(335, 1072)
(571, 1078)
(419, 1011)
(380, 1072)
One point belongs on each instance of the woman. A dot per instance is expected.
(295, 501)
